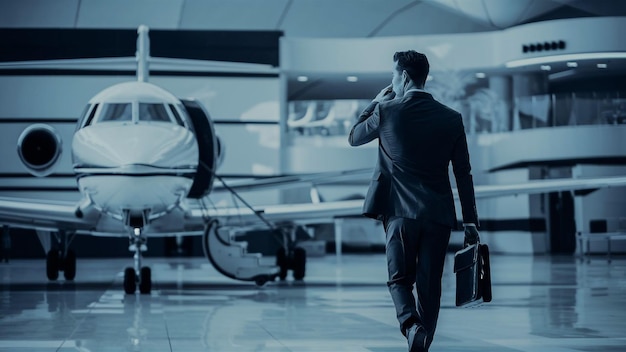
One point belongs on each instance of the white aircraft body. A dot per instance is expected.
(145, 163)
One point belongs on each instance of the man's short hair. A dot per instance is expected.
(414, 63)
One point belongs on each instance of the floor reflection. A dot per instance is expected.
(133, 308)
(540, 304)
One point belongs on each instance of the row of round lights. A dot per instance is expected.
(306, 79)
(348, 78)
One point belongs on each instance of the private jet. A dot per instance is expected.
(145, 163)
(140, 156)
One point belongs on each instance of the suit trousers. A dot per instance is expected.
(416, 251)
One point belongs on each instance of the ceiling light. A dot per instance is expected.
(602, 66)
(545, 67)
(302, 78)
(572, 64)
(565, 57)
(480, 75)
(352, 78)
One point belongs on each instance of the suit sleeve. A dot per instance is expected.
(464, 181)
(366, 128)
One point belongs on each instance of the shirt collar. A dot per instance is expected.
(415, 90)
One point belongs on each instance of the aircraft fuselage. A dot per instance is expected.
(134, 151)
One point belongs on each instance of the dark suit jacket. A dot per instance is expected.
(418, 137)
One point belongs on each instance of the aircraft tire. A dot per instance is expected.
(130, 280)
(145, 285)
(282, 262)
(260, 281)
(69, 270)
(299, 263)
(52, 264)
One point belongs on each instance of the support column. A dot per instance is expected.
(502, 115)
(526, 88)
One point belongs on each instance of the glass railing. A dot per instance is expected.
(483, 112)
(489, 114)
(572, 109)
(323, 117)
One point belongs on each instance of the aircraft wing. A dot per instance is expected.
(54, 215)
(326, 211)
(481, 191)
(288, 213)
(284, 182)
(547, 186)
(43, 215)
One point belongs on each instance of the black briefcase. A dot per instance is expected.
(473, 275)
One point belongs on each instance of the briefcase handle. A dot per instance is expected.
(466, 244)
(472, 231)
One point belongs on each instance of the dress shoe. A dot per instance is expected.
(417, 336)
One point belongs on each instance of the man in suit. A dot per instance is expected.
(410, 190)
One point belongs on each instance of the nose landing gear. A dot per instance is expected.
(138, 275)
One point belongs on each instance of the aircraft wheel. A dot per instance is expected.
(52, 264)
(130, 280)
(69, 271)
(299, 263)
(145, 285)
(282, 262)
(260, 281)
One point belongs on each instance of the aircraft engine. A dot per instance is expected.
(39, 148)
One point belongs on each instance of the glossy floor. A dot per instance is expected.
(554, 304)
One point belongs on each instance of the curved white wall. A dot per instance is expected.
(471, 51)
(556, 143)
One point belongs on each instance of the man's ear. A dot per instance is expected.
(405, 77)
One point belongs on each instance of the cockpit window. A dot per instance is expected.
(116, 112)
(92, 113)
(83, 116)
(153, 113)
(179, 120)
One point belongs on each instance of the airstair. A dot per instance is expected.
(231, 258)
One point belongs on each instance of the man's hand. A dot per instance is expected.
(471, 234)
(385, 94)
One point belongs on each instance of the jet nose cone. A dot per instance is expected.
(167, 146)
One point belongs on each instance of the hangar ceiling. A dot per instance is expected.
(309, 19)
(302, 18)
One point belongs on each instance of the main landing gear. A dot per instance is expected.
(290, 257)
(5, 245)
(291, 260)
(137, 276)
(61, 258)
